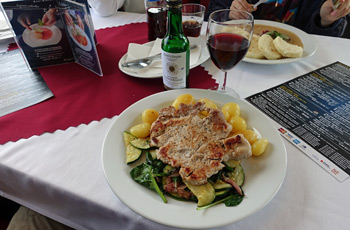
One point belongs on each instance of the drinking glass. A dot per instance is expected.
(156, 19)
(229, 34)
(192, 19)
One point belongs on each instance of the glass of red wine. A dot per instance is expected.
(229, 34)
(192, 19)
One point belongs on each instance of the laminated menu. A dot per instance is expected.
(20, 87)
(52, 32)
(313, 114)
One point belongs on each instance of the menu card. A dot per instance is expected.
(20, 87)
(52, 32)
(313, 113)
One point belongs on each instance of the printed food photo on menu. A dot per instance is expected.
(80, 33)
(42, 33)
(76, 28)
(39, 32)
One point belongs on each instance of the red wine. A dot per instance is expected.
(226, 50)
(156, 18)
(191, 28)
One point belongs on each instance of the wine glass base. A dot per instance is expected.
(227, 90)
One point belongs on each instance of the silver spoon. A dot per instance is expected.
(144, 62)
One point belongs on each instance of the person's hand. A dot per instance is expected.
(86, 18)
(68, 18)
(49, 18)
(328, 15)
(242, 5)
(24, 20)
(80, 22)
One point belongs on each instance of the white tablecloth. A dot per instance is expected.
(60, 174)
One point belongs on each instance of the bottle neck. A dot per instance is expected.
(175, 20)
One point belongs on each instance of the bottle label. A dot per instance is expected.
(174, 69)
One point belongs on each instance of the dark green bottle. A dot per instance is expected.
(175, 49)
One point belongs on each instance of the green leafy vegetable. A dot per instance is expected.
(40, 22)
(275, 34)
(153, 173)
(144, 174)
(232, 200)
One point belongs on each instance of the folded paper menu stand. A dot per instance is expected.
(52, 32)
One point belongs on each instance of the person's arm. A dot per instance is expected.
(327, 21)
(217, 5)
(24, 20)
(105, 8)
(49, 18)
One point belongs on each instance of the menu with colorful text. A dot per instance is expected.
(313, 114)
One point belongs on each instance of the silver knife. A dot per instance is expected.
(144, 62)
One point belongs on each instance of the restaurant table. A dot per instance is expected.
(60, 174)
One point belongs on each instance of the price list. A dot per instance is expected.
(313, 112)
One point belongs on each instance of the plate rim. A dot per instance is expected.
(137, 75)
(305, 38)
(281, 175)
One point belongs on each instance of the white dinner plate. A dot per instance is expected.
(30, 39)
(82, 32)
(202, 58)
(309, 45)
(264, 174)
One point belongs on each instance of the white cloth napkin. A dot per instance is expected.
(136, 51)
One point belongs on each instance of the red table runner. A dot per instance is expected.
(81, 96)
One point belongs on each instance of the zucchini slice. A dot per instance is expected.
(221, 185)
(128, 137)
(132, 154)
(238, 175)
(205, 193)
(232, 163)
(141, 143)
(222, 193)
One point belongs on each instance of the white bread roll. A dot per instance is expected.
(235, 30)
(287, 49)
(253, 51)
(265, 45)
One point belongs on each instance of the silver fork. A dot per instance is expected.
(144, 62)
(259, 2)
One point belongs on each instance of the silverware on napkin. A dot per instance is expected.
(144, 62)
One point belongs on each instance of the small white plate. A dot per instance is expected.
(264, 175)
(82, 32)
(309, 45)
(30, 39)
(202, 58)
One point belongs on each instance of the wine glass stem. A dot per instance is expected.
(222, 81)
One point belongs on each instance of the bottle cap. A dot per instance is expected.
(174, 2)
